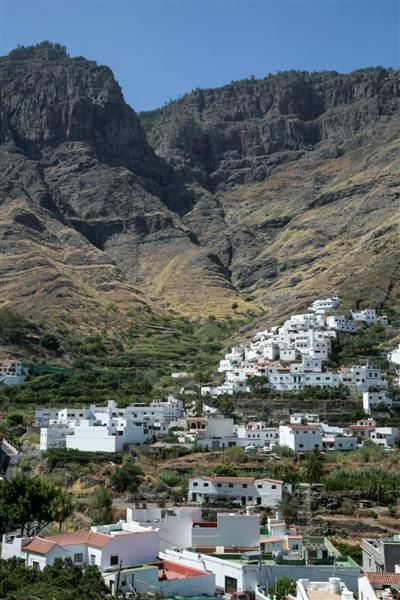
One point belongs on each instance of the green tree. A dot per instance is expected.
(225, 405)
(59, 581)
(311, 468)
(127, 478)
(224, 470)
(289, 506)
(30, 504)
(283, 587)
(50, 342)
(102, 504)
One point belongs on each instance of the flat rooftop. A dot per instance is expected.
(322, 595)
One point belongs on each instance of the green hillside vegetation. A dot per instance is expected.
(133, 367)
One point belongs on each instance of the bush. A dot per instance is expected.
(127, 477)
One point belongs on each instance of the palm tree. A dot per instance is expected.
(226, 405)
(61, 508)
(311, 468)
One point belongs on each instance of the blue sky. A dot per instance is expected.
(161, 49)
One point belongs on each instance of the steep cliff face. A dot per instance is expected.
(81, 192)
(299, 182)
(239, 133)
(257, 194)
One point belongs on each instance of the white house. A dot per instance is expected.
(333, 589)
(126, 554)
(301, 438)
(361, 378)
(104, 428)
(230, 531)
(173, 524)
(368, 316)
(54, 436)
(341, 323)
(243, 491)
(372, 399)
(12, 372)
(339, 442)
(327, 305)
(257, 434)
(385, 437)
(394, 356)
(105, 546)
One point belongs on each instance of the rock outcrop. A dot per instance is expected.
(263, 193)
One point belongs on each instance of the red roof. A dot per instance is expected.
(39, 546)
(168, 570)
(44, 545)
(270, 540)
(384, 578)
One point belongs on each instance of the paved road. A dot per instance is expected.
(9, 459)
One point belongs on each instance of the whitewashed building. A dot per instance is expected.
(244, 491)
(12, 372)
(368, 316)
(333, 589)
(327, 305)
(341, 323)
(258, 434)
(394, 355)
(362, 377)
(385, 437)
(301, 438)
(373, 399)
(126, 554)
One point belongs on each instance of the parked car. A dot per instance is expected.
(250, 448)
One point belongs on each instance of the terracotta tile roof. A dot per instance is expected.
(98, 540)
(39, 546)
(270, 540)
(383, 578)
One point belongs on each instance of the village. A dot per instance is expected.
(245, 521)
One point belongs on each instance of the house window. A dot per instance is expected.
(219, 484)
(273, 487)
(244, 485)
(114, 560)
(205, 484)
(230, 485)
(92, 559)
(259, 485)
(195, 484)
(35, 564)
(78, 558)
(301, 445)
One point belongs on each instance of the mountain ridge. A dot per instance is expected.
(234, 199)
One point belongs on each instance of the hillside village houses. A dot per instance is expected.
(12, 372)
(243, 491)
(108, 428)
(111, 429)
(291, 357)
(174, 551)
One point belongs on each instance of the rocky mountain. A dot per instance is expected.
(261, 194)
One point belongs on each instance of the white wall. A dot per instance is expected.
(233, 530)
(365, 589)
